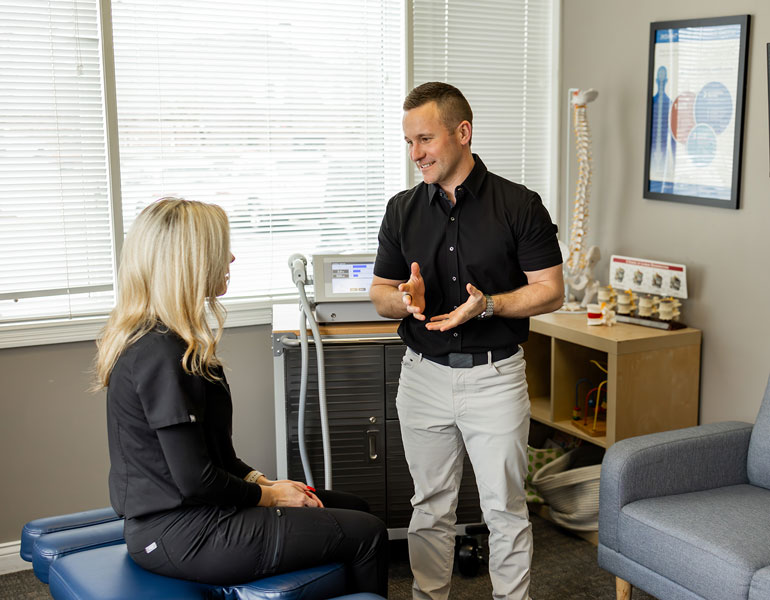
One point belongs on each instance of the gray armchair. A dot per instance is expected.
(685, 514)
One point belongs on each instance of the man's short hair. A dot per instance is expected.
(452, 105)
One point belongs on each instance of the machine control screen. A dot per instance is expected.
(343, 277)
(349, 278)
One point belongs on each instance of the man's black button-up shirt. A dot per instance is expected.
(495, 232)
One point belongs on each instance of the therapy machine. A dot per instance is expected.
(341, 285)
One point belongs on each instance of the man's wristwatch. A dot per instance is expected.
(489, 310)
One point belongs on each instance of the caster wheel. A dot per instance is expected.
(469, 556)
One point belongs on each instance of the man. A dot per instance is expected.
(464, 258)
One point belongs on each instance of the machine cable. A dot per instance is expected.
(298, 266)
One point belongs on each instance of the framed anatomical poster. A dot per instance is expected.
(696, 90)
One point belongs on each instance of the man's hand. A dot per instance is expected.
(397, 299)
(413, 293)
(472, 307)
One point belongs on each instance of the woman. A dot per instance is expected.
(194, 510)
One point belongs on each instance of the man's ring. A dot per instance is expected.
(405, 294)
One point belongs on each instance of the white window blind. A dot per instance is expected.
(287, 114)
(499, 54)
(55, 245)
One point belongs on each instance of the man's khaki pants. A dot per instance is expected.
(445, 411)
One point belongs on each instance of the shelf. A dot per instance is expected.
(621, 338)
(652, 375)
(567, 427)
(540, 414)
(540, 409)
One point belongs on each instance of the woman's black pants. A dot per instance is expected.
(228, 546)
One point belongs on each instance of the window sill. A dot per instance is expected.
(240, 313)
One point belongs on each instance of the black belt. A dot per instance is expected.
(466, 360)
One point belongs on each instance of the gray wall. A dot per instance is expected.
(53, 440)
(52, 432)
(605, 46)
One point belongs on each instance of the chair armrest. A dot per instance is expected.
(667, 463)
(53, 546)
(34, 529)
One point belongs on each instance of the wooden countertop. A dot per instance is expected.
(286, 320)
(621, 338)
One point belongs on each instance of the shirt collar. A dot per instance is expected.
(472, 183)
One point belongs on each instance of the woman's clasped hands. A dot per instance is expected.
(286, 492)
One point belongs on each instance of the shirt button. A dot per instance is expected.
(454, 278)
(455, 308)
(451, 248)
(455, 334)
(451, 218)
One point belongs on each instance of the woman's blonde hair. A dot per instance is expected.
(175, 261)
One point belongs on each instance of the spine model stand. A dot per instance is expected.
(580, 263)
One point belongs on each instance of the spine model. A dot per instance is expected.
(576, 262)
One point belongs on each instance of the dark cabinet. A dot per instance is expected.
(366, 448)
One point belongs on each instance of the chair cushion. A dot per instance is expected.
(108, 573)
(325, 581)
(52, 546)
(759, 447)
(710, 542)
(34, 529)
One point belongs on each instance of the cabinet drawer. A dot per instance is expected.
(354, 397)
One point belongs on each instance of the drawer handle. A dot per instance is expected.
(372, 435)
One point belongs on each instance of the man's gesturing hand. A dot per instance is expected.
(413, 293)
(472, 307)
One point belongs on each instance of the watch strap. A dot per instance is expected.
(490, 308)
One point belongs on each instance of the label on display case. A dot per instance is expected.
(644, 276)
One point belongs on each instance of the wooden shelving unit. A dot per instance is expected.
(652, 381)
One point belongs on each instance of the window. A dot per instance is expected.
(500, 54)
(287, 114)
(55, 249)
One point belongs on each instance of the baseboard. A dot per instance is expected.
(10, 559)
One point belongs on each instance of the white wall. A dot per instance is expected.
(605, 46)
(53, 432)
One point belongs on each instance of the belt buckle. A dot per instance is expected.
(460, 360)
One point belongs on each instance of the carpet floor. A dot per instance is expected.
(563, 568)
